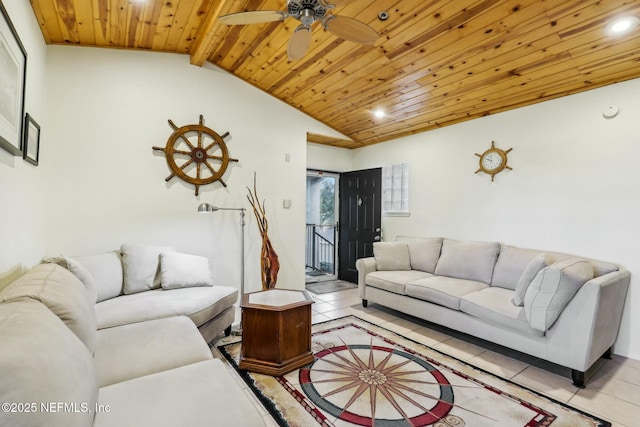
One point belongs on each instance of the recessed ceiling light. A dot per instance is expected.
(379, 113)
(622, 25)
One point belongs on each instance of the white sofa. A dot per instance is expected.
(553, 306)
(67, 361)
(139, 283)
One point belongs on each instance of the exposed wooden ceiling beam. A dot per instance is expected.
(329, 140)
(203, 45)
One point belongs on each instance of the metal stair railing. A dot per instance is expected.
(320, 250)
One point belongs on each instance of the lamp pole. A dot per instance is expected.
(242, 224)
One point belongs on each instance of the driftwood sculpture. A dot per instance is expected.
(269, 264)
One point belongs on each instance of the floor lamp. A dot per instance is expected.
(207, 208)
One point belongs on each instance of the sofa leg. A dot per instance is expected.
(578, 378)
(364, 303)
(227, 331)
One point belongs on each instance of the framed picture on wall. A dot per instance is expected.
(31, 144)
(13, 72)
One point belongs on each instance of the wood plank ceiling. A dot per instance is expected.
(436, 62)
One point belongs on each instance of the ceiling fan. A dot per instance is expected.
(308, 12)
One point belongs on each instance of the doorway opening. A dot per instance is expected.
(321, 245)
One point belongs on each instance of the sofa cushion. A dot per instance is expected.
(43, 362)
(197, 395)
(62, 293)
(131, 351)
(391, 256)
(394, 281)
(442, 290)
(535, 265)
(423, 252)
(141, 267)
(511, 263)
(552, 289)
(467, 260)
(106, 271)
(183, 270)
(493, 304)
(201, 304)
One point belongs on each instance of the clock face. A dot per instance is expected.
(491, 160)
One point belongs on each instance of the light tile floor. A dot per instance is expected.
(613, 393)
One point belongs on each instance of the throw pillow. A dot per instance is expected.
(141, 267)
(424, 253)
(392, 256)
(106, 270)
(85, 277)
(535, 265)
(183, 270)
(552, 289)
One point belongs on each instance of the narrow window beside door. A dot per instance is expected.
(395, 190)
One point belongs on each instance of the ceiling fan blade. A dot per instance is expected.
(338, 3)
(350, 29)
(253, 17)
(299, 43)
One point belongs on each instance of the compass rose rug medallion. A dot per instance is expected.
(364, 375)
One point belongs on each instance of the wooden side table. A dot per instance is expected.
(276, 331)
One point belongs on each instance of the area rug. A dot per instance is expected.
(332, 286)
(364, 375)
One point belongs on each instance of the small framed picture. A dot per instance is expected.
(31, 143)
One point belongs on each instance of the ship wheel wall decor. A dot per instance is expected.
(196, 154)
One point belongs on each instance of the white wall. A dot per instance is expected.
(22, 204)
(106, 186)
(573, 188)
(328, 158)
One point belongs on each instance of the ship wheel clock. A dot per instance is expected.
(493, 161)
(196, 154)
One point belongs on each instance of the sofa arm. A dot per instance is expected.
(364, 267)
(588, 326)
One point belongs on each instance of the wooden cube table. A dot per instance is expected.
(276, 331)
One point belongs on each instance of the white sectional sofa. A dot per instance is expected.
(140, 283)
(554, 306)
(127, 360)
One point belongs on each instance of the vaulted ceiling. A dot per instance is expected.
(436, 62)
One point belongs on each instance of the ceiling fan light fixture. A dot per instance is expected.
(306, 17)
(622, 25)
(311, 10)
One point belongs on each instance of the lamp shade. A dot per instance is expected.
(206, 207)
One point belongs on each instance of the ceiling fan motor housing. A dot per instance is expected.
(307, 11)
